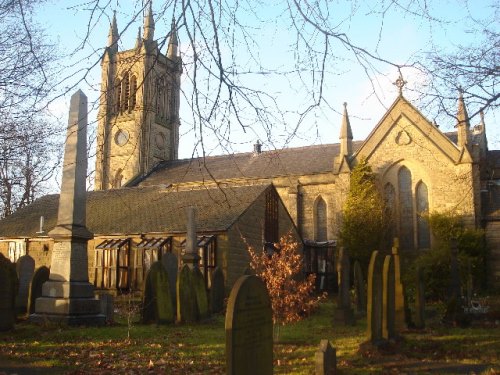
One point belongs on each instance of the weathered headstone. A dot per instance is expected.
(326, 359)
(8, 291)
(217, 291)
(343, 313)
(171, 264)
(187, 309)
(420, 300)
(359, 285)
(156, 300)
(107, 307)
(249, 329)
(399, 297)
(25, 266)
(388, 290)
(68, 297)
(40, 276)
(200, 292)
(374, 298)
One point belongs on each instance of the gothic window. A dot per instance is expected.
(159, 98)
(118, 96)
(320, 220)
(133, 92)
(125, 92)
(423, 232)
(271, 225)
(405, 209)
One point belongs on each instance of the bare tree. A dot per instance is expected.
(225, 65)
(28, 150)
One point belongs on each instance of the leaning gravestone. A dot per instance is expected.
(201, 293)
(217, 291)
(326, 359)
(249, 328)
(25, 267)
(171, 264)
(8, 291)
(156, 300)
(374, 300)
(388, 292)
(40, 276)
(359, 286)
(187, 310)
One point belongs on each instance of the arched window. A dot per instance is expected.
(118, 96)
(133, 92)
(125, 92)
(406, 232)
(320, 220)
(423, 232)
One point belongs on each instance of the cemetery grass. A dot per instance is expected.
(199, 348)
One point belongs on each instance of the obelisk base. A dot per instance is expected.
(58, 304)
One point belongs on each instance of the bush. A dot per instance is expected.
(472, 255)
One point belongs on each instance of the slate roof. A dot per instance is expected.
(297, 161)
(268, 164)
(141, 210)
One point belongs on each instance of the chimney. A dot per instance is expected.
(257, 148)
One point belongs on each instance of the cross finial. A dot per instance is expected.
(400, 83)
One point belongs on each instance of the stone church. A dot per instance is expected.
(420, 169)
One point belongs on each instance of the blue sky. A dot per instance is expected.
(398, 37)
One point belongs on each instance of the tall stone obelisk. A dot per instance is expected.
(68, 297)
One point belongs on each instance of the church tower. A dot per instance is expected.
(138, 120)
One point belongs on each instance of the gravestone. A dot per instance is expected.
(40, 276)
(217, 291)
(374, 298)
(343, 312)
(359, 285)
(326, 359)
(420, 300)
(399, 297)
(107, 307)
(25, 266)
(68, 297)
(187, 310)
(388, 291)
(249, 328)
(156, 300)
(8, 291)
(171, 264)
(200, 292)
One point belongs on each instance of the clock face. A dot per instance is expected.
(121, 137)
(160, 141)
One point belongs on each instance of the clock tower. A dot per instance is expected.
(138, 120)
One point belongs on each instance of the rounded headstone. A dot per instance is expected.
(25, 266)
(156, 300)
(217, 291)
(201, 293)
(40, 276)
(249, 328)
(187, 309)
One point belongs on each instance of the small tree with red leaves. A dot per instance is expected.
(291, 294)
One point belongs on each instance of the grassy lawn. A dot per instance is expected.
(199, 348)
